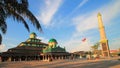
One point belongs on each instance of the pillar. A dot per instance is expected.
(55, 57)
(45, 57)
(9, 58)
(0, 59)
(62, 57)
(26, 58)
(20, 59)
(103, 38)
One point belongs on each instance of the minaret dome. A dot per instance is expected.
(33, 35)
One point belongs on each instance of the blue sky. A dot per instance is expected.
(68, 21)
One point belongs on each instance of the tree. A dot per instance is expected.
(18, 10)
(95, 47)
(119, 49)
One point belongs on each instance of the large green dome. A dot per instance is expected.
(52, 40)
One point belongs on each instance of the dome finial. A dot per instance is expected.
(99, 14)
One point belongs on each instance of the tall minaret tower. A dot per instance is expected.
(103, 39)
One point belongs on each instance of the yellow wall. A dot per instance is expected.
(52, 44)
(32, 36)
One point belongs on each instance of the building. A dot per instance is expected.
(114, 53)
(28, 50)
(34, 49)
(53, 51)
(78, 54)
(103, 39)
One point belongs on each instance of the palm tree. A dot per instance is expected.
(18, 10)
(119, 49)
(95, 48)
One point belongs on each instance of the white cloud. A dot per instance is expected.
(10, 43)
(76, 8)
(78, 45)
(80, 5)
(88, 21)
(2, 48)
(43, 39)
(84, 23)
(114, 43)
(48, 11)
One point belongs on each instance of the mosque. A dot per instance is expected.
(34, 49)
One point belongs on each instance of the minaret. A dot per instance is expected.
(103, 39)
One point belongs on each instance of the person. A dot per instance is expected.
(88, 57)
(50, 59)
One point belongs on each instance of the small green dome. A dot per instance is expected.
(52, 40)
(33, 33)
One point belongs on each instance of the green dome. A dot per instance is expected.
(52, 40)
(33, 33)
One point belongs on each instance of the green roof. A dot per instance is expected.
(56, 49)
(52, 40)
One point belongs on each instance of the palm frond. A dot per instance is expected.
(21, 20)
(33, 19)
(3, 26)
(18, 10)
(11, 12)
(0, 38)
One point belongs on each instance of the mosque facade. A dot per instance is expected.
(34, 49)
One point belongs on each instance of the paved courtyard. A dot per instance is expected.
(102, 63)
